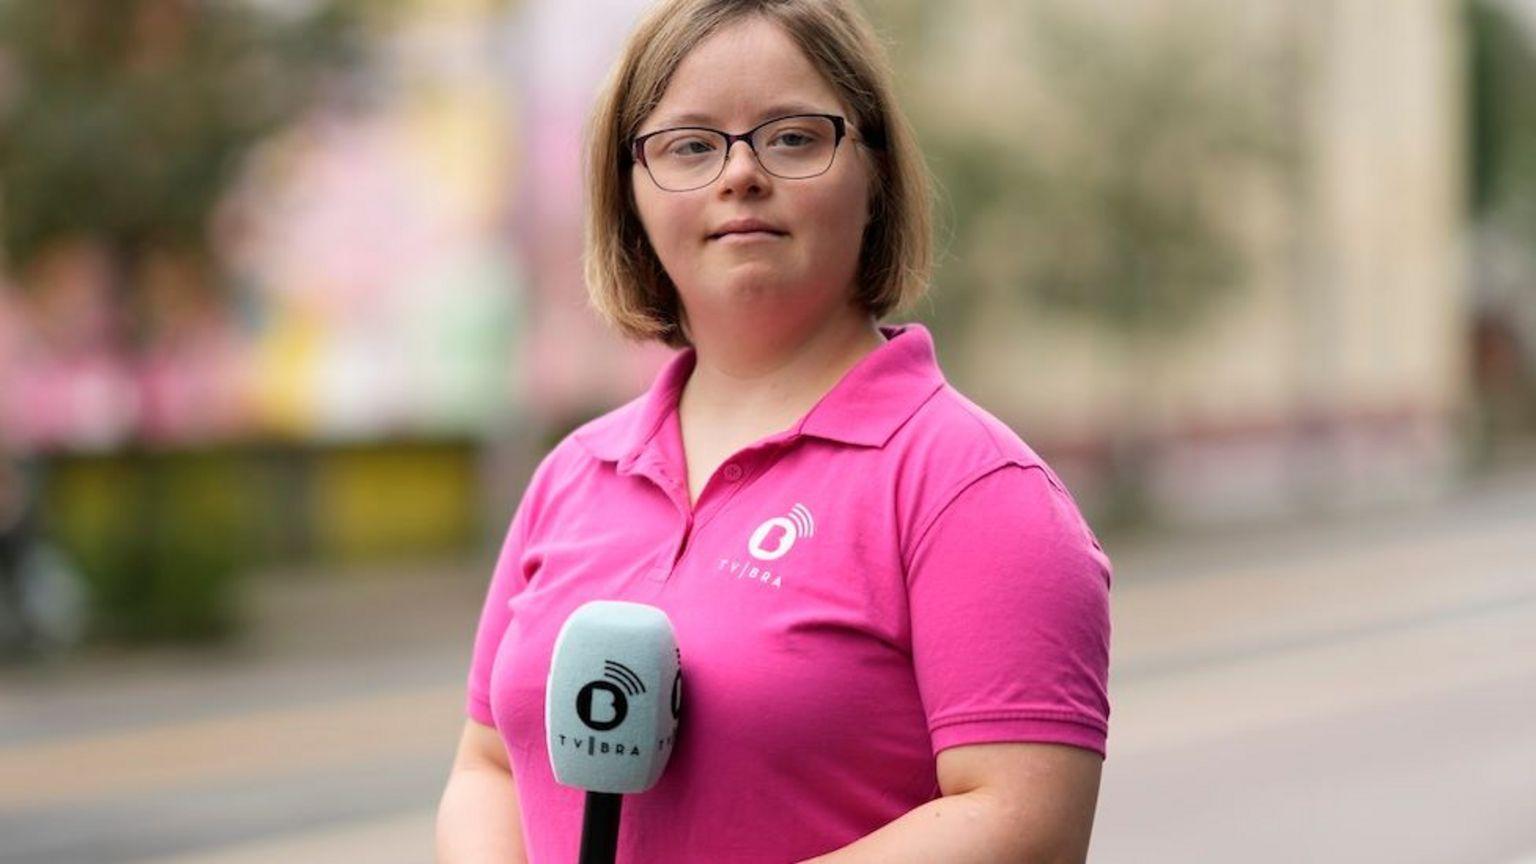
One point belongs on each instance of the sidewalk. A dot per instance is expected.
(1355, 691)
(325, 734)
(310, 635)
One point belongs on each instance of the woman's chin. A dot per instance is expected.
(754, 279)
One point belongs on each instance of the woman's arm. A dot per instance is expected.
(479, 820)
(1019, 803)
(1008, 595)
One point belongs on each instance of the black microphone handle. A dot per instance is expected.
(600, 827)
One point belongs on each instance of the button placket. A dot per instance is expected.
(717, 495)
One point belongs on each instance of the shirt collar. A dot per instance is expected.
(866, 406)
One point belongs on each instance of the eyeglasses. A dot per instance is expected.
(795, 147)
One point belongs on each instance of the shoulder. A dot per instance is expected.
(953, 448)
(953, 439)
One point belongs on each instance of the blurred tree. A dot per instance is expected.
(1128, 219)
(1501, 49)
(122, 122)
(1503, 109)
(1113, 193)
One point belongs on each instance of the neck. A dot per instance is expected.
(740, 382)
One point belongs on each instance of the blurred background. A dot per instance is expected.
(291, 304)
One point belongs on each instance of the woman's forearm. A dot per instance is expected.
(479, 820)
(968, 828)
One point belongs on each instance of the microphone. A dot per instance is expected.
(610, 710)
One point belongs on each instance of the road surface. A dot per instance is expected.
(1345, 691)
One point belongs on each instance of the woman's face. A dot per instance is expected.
(738, 77)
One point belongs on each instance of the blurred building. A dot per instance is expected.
(371, 241)
(410, 267)
(358, 342)
(561, 55)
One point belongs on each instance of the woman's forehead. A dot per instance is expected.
(745, 72)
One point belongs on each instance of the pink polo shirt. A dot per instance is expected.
(895, 574)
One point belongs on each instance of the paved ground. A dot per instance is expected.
(1358, 692)
(325, 737)
(1348, 691)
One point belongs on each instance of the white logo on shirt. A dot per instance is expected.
(743, 570)
(797, 524)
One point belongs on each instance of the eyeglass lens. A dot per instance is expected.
(792, 148)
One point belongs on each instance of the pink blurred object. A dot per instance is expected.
(190, 376)
(194, 389)
(71, 402)
(65, 384)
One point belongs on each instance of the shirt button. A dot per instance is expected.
(732, 472)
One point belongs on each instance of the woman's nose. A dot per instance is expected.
(742, 170)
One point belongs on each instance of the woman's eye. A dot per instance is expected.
(791, 139)
(689, 147)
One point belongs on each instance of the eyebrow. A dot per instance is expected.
(778, 110)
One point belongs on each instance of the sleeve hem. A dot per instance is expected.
(1020, 726)
(479, 710)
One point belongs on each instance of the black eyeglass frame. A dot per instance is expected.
(839, 131)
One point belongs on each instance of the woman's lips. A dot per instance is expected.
(748, 237)
(746, 226)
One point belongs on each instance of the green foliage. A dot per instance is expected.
(1123, 213)
(126, 119)
(1113, 190)
(162, 539)
(1502, 60)
(165, 538)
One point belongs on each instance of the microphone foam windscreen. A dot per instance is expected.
(613, 697)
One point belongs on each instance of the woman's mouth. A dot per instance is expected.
(747, 231)
(734, 237)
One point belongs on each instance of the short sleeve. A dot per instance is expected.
(1008, 594)
(507, 579)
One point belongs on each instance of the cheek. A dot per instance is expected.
(840, 212)
(846, 202)
(668, 223)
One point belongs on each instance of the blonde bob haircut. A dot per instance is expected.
(626, 283)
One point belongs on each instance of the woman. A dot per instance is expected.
(893, 620)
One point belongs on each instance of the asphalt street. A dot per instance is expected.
(1338, 690)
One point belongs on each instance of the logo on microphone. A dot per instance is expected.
(602, 705)
(782, 531)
